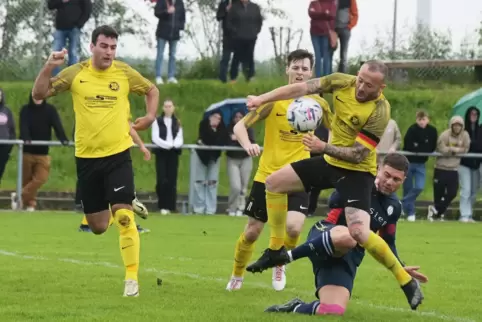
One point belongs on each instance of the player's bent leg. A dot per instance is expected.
(243, 252)
(99, 221)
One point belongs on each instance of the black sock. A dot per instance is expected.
(307, 308)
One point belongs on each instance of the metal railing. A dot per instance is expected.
(190, 147)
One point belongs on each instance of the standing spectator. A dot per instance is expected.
(451, 142)
(322, 133)
(391, 140)
(37, 119)
(469, 175)
(420, 137)
(346, 19)
(70, 18)
(206, 163)
(228, 44)
(7, 132)
(239, 165)
(322, 30)
(167, 134)
(244, 22)
(172, 18)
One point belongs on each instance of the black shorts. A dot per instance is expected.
(105, 181)
(328, 270)
(256, 203)
(355, 187)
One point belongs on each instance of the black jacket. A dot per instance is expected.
(36, 123)
(209, 136)
(222, 14)
(475, 133)
(71, 14)
(170, 25)
(7, 123)
(418, 139)
(244, 21)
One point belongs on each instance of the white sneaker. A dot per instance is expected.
(431, 212)
(279, 278)
(30, 209)
(13, 199)
(131, 288)
(231, 214)
(159, 81)
(239, 213)
(472, 220)
(411, 218)
(464, 219)
(234, 283)
(172, 80)
(139, 208)
(165, 212)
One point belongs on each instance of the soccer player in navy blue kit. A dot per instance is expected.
(336, 256)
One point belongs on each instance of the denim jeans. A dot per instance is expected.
(60, 41)
(323, 55)
(344, 37)
(412, 187)
(171, 67)
(205, 190)
(469, 180)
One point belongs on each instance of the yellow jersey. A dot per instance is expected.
(353, 121)
(282, 145)
(101, 105)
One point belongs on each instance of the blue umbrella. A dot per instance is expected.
(227, 109)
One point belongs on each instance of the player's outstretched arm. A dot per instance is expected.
(42, 85)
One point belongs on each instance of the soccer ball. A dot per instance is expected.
(304, 114)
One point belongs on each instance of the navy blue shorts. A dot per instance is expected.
(328, 270)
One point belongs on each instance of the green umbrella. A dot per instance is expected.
(469, 100)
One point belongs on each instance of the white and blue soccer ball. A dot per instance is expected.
(304, 114)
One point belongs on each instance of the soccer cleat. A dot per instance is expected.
(234, 283)
(270, 258)
(85, 229)
(143, 230)
(285, 308)
(413, 293)
(279, 278)
(139, 208)
(131, 288)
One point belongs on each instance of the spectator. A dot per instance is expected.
(37, 119)
(206, 163)
(469, 175)
(420, 137)
(228, 44)
(7, 132)
(391, 140)
(70, 18)
(322, 133)
(239, 165)
(346, 19)
(452, 141)
(172, 18)
(322, 30)
(244, 22)
(167, 134)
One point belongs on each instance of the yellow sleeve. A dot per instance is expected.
(374, 128)
(137, 83)
(336, 81)
(259, 114)
(327, 113)
(63, 80)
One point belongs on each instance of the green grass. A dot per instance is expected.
(51, 272)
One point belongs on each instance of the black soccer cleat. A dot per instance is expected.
(270, 258)
(285, 308)
(413, 292)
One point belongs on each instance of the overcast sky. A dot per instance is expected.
(462, 17)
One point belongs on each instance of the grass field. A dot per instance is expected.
(51, 272)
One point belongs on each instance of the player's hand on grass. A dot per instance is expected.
(143, 123)
(57, 58)
(253, 102)
(413, 271)
(313, 143)
(147, 153)
(253, 150)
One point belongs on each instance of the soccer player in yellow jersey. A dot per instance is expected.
(282, 146)
(100, 87)
(349, 164)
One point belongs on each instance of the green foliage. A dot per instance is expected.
(191, 99)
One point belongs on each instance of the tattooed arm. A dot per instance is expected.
(241, 128)
(355, 154)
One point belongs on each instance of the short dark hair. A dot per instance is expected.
(105, 30)
(300, 54)
(397, 161)
(376, 65)
(421, 114)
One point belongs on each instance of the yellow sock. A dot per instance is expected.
(129, 242)
(380, 250)
(277, 206)
(291, 242)
(84, 221)
(242, 255)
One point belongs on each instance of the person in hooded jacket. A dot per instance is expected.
(451, 142)
(7, 132)
(469, 175)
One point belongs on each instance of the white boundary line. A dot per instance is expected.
(433, 314)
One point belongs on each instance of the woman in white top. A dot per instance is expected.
(167, 134)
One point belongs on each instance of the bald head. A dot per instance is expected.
(370, 80)
(376, 66)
